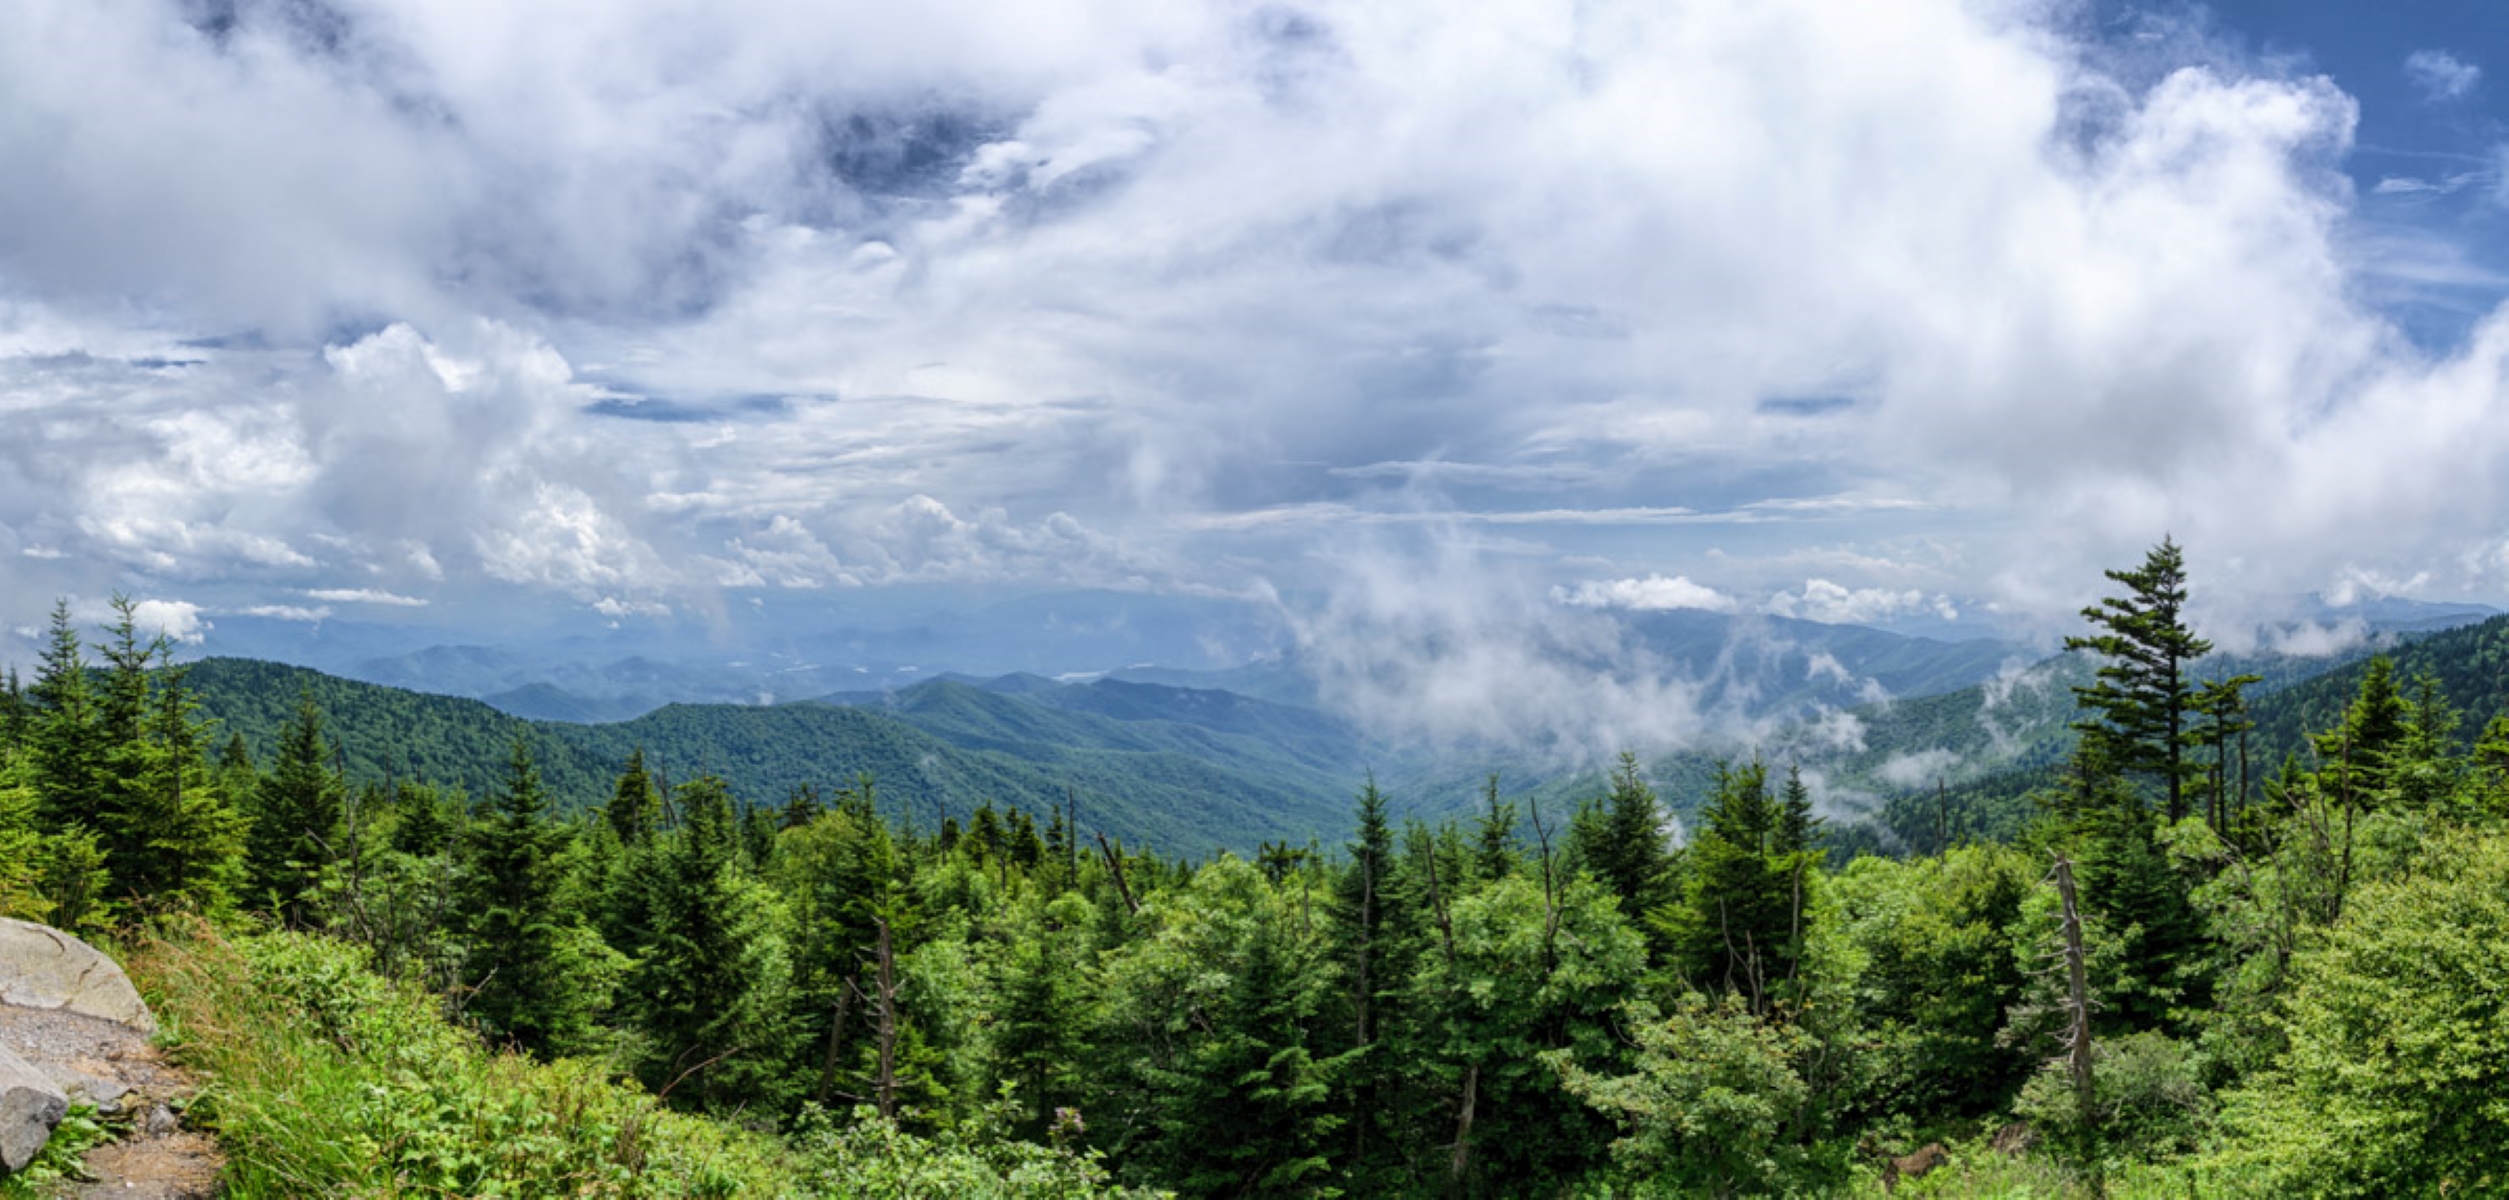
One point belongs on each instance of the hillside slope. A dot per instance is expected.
(1151, 785)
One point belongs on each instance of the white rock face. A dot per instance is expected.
(29, 1107)
(42, 967)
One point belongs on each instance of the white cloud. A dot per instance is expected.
(634, 300)
(1917, 769)
(1651, 594)
(365, 596)
(2440, 75)
(176, 620)
(1837, 604)
(288, 612)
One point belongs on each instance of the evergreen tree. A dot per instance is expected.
(297, 816)
(2143, 695)
(1796, 826)
(1494, 834)
(2355, 755)
(16, 713)
(842, 875)
(708, 988)
(2222, 706)
(2127, 880)
(1040, 1039)
(2425, 770)
(523, 956)
(69, 736)
(1738, 929)
(1630, 855)
(1362, 938)
(635, 808)
(181, 838)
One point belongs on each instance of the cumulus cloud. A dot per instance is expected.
(175, 620)
(1654, 593)
(2439, 75)
(636, 301)
(1836, 604)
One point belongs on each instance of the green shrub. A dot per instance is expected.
(323, 1078)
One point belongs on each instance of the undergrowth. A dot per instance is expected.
(322, 1078)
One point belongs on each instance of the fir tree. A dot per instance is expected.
(709, 984)
(1494, 834)
(2143, 695)
(1630, 855)
(69, 737)
(635, 808)
(518, 959)
(1737, 927)
(297, 816)
(180, 838)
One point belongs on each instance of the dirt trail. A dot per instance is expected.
(112, 1066)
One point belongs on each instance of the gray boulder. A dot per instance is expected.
(29, 1107)
(42, 967)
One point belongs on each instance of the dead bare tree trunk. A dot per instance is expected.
(1472, 1072)
(1550, 896)
(884, 1088)
(1115, 865)
(836, 1041)
(2078, 1032)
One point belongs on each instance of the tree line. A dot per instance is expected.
(1523, 1001)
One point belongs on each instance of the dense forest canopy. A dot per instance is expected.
(2216, 949)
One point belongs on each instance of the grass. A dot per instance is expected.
(320, 1077)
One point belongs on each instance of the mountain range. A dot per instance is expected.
(1200, 759)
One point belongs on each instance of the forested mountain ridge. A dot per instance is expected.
(2468, 664)
(1139, 785)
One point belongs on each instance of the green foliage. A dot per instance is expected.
(1740, 927)
(1625, 844)
(1942, 943)
(1212, 1009)
(536, 979)
(1710, 1105)
(2149, 1102)
(2397, 1078)
(2141, 701)
(323, 1078)
(23, 847)
(296, 817)
(875, 1159)
(708, 988)
(1538, 968)
(59, 1163)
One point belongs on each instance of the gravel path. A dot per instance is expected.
(112, 1066)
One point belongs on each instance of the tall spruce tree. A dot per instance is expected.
(709, 988)
(635, 808)
(1494, 833)
(1629, 852)
(516, 965)
(181, 837)
(2357, 756)
(2144, 693)
(68, 736)
(1737, 929)
(297, 816)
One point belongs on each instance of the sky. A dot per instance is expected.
(1413, 320)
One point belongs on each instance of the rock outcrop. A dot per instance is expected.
(42, 967)
(29, 1108)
